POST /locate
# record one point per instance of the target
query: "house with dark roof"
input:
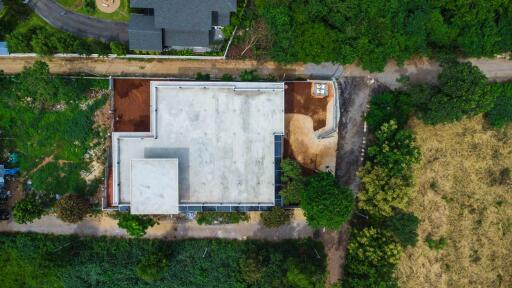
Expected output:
(157, 25)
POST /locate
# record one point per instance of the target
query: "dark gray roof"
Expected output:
(187, 38)
(186, 15)
(143, 35)
(185, 23)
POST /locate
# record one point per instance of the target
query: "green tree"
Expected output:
(276, 217)
(152, 268)
(372, 256)
(28, 209)
(251, 269)
(381, 192)
(394, 150)
(463, 91)
(135, 225)
(72, 208)
(387, 106)
(293, 182)
(403, 226)
(325, 203)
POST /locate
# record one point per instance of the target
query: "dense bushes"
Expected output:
(293, 182)
(50, 119)
(28, 209)
(386, 177)
(14, 12)
(501, 112)
(325, 203)
(135, 225)
(275, 217)
(371, 259)
(372, 32)
(72, 208)
(403, 226)
(209, 218)
(38, 260)
(462, 91)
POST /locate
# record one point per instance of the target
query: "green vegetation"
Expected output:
(118, 48)
(249, 76)
(152, 268)
(325, 203)
(49, 121)
(202, 77)
(372, 32)
(135, 225)
(501, 112)
(371, 259)
(386, 177)
(72, 208)
(403, 226)
(29, 209)
(210, 218)
(387, 106)
(463, 91)
(276, 217)
(437, 245)
(88, 7)
(38, 260)
(13, 13)
(293, 182)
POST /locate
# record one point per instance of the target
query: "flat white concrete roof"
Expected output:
(154, 186)
(222, 134)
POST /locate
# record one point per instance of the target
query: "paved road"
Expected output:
(80, 25)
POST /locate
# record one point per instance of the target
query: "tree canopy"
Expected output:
(325, 203)
(372, 32)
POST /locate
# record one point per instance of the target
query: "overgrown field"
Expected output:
(49, 121)
(38, 260)
(463, 197)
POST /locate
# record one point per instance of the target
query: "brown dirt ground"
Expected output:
(299, 100)
(131, 101)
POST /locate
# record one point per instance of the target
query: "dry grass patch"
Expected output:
(463, 194)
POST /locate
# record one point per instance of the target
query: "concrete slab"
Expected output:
(222, 134)
(154, 186)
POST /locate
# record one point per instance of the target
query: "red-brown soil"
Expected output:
(299, 100)
(131, 105)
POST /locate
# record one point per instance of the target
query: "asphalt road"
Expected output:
(80, 25)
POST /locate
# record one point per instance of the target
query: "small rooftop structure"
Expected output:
(154, 186)
(219, 142)
(3, 48)
(177, 24)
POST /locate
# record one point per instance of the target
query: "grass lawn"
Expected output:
(122, 14)
(463, 195)
(38, 260)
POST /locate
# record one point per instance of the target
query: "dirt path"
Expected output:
(106, 226)
(419, 70)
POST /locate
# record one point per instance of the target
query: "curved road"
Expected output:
(80, 25)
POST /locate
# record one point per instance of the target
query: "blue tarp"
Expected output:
(3, 48)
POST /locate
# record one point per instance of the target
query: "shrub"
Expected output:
(501, 112)
(227, 77)
(299, 275)
(251, 269)
(249, 76)
(152, 268)
(28, 209)
(463, 91)
(89, 6)
(135, 225)
(276, 217)
(293, 182)
(437, 245)
(209, 218)
(372, 256)
(72, 208)
(325, 203)
(118, 48)
(403, 226)
(202, 77)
